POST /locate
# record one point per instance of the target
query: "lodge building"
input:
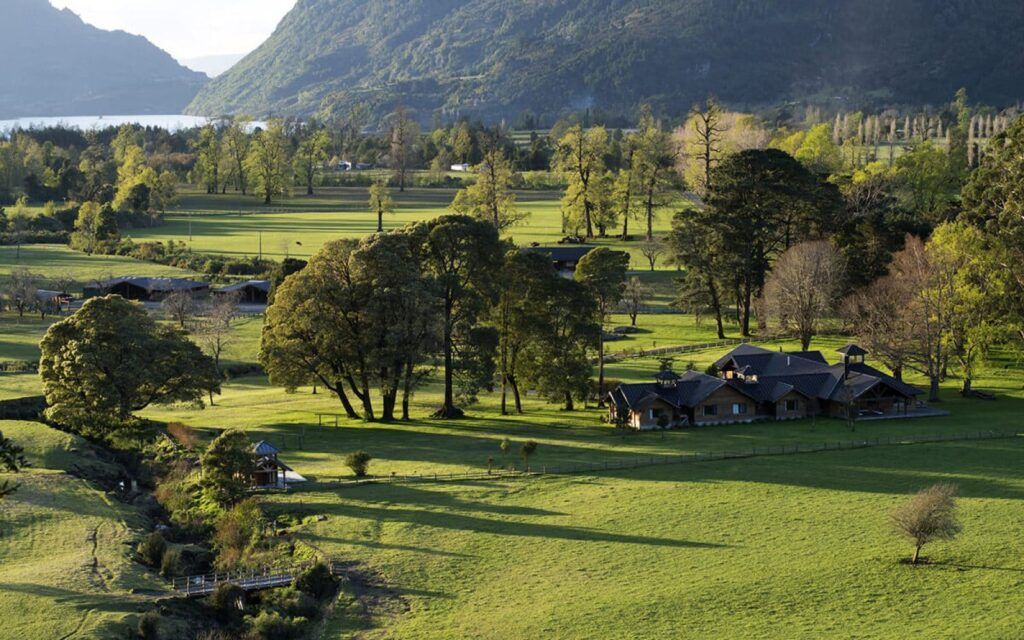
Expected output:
(757, 384)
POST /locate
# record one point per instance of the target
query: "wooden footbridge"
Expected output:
(251, 580)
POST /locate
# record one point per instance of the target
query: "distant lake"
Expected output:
(86, 123)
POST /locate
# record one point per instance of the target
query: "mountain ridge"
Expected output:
(91, 72)
(499, 58)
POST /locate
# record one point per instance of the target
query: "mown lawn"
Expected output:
(65, 570)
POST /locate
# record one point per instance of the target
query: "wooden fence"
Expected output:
(666, 351)
(652, 461)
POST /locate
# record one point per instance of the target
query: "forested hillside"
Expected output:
(53, 64)
(502, 58)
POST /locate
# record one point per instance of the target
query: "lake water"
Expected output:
(86, 123)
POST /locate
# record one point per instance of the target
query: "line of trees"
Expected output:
(371, 319)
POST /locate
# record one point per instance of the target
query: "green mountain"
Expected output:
(499, 58)
(53, 64)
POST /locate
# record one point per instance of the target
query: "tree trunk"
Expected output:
(933, 391)
(388, 405)
(448, 409)
(745, 311)
(504, 394)
(966, 390)
(600, 365)
(516, 397)
(917, 554)
(569, 406)
(407, 389)
(349, 409)
(380, 220)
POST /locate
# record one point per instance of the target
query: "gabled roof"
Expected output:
(262, 285)
(264, 448)
(852, 350)
(807, 373)
(691, 389)
(155, 284)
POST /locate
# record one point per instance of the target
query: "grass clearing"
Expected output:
(786, 547)
(64, 545)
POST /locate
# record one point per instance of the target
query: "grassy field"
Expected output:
(65, 569)
(50, 262)
(794, 546)
(788, 547)
(238, 225)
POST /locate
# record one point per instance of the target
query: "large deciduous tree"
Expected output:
(580, 158)
(557, 361)
(993, 200)
(518, 316)
(693, 246)
(760, 203)
(491, 197)
(311, 156)
(267, 163)
(603, 273)
(404, 135)
(110, 359)
(462, 257)
(355, 320)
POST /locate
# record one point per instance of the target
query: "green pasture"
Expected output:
(786, 547)
(237, 225)
(52, 262)
(65, 546)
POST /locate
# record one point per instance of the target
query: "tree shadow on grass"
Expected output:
(410, 495)
(512, 528)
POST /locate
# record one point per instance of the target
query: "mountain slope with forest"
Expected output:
(53, 64)
(500, 58)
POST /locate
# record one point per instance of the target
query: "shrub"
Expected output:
(316, 581)
(289, 602)
(227, 599)
(151, 549)
(170, 563)
(185, 435)
(274, 626)
(235, 531)
(359, 463)
(149, 625)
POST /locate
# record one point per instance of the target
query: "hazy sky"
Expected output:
(187, 28)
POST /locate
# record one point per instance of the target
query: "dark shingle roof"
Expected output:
(156, 284)
(571, 253)
(691, 389)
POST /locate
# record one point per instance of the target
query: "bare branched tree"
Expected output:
(652, 250)
(803, 287)
(21, 289)
(180, 306)
(634, 296)
(928, 516)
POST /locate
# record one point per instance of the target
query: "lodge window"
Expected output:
(710, 410)
(653, 414)
(739, 408)
(792, 405)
